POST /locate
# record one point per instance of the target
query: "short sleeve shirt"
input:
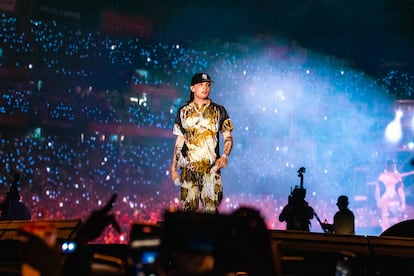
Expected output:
(201, 127)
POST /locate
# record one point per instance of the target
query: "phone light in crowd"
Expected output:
(122, 238)
(68, 247)
(393, 131)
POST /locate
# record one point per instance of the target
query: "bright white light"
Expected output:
(280, 95)
(393, 131)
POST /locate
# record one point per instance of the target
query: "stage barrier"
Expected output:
(66, 229)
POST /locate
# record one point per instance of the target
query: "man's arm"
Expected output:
(283, 216)
(221, 162)
(228, 142)
(179, 143)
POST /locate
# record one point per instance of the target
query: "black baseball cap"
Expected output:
(200, 77)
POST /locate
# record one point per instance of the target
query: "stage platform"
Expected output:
(234, 244)
(301, 253)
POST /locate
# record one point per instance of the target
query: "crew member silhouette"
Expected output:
(343, 220)
(297, 213)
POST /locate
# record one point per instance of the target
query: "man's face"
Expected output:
(201, 90)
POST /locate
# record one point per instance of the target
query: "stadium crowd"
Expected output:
(56, 79)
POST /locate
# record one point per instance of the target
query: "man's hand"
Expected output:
(174, 174)
(327, 228)
(221, 162)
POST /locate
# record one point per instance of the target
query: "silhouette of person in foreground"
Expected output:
(45, 256)
(12, 208)
(203, 244)
(343, 220)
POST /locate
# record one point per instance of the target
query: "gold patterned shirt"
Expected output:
(201, 127)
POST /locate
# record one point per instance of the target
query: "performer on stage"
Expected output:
(390, 195)
(198, 125)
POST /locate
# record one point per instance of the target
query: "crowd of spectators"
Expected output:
(57, 79)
